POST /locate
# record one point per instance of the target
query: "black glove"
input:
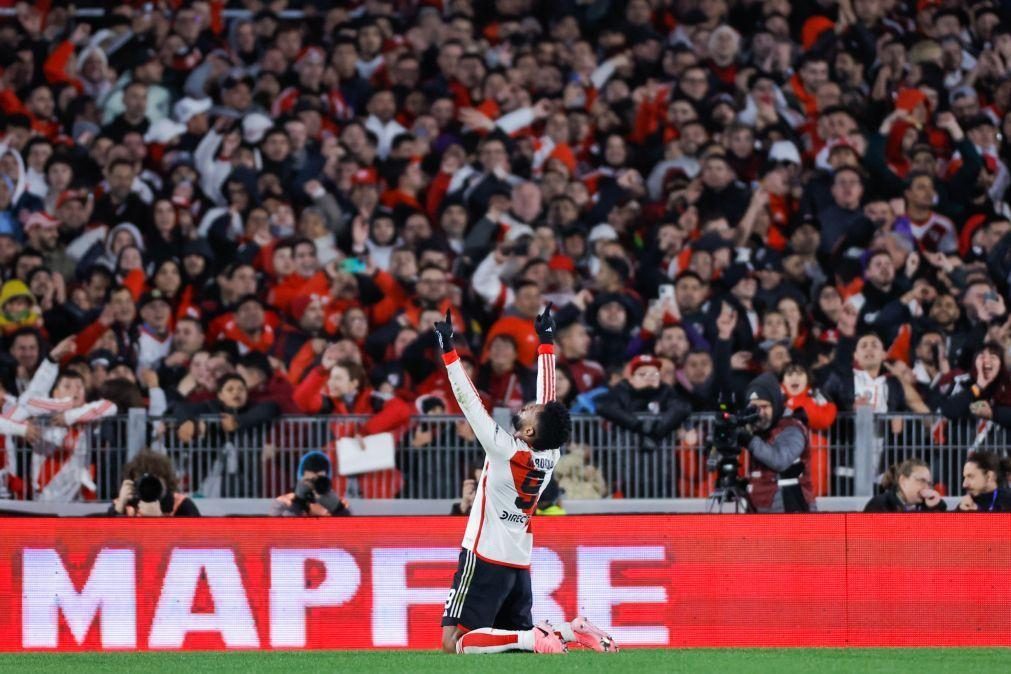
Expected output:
(444, 331)
(303, 497)
(744, 436)
(545, 326)
(303, 491)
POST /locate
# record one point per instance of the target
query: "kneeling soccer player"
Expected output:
(489, 606)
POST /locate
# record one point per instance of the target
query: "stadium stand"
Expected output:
(241, 221)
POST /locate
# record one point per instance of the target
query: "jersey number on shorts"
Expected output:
(449, 600)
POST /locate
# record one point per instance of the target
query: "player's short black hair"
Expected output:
(553, 427)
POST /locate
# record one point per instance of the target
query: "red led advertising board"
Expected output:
(652, 581)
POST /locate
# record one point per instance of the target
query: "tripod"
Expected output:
(730, 487)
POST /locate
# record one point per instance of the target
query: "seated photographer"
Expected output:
(984, 478)
(314, 494)
(149, 489)
(908, 487)
(780, 452)
(642, 393)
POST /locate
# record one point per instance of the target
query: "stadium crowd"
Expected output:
(251, 216)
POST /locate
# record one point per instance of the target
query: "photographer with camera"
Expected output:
(314, 494)
(150, 489)
(780, 450)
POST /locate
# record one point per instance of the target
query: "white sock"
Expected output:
(489, 640)
(565, 632)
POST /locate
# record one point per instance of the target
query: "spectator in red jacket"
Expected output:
(431, 294)
(341, 388)
(821, 414)
(396, 285)
(506, 382)
(518, 322)
(307, 279)
(264, 384)
(308, 315)
(573, 342)
(248, 326)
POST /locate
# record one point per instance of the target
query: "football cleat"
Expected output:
(546, 641)
(589, 635)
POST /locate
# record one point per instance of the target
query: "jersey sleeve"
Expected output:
(12, 427)
(545, 373)
(493, 438)
(42, 381)
(98, 409)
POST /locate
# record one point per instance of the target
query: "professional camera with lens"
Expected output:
(307, 490)
(725, 452)
(149, 489)
(318, 490)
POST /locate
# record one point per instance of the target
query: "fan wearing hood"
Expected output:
(18, 308)
(780, 451)
(103, 245)
(224, 226)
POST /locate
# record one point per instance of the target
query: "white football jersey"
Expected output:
(514, 475)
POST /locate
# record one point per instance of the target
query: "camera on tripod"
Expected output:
(724, 457)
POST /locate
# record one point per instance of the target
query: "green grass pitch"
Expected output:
(725, 661)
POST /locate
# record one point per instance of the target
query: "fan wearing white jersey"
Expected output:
(489, 605)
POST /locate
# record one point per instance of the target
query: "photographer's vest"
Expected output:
(765, 482)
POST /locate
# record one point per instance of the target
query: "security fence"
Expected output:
(434, 455)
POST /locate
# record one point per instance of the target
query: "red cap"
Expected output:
(645, 360)
(300, 304)
(311, 55)
(561, 263)
(70, 195)
(813, 28)
(971, 226)
(365, 176)
(41, 219)
(564, 154)
(908, 99)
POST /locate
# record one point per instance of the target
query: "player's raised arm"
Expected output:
(492, 437)
(545, 326)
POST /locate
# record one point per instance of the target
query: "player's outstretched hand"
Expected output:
(545, 326)
(444, 331)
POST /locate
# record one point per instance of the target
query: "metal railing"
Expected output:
(435, 454)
